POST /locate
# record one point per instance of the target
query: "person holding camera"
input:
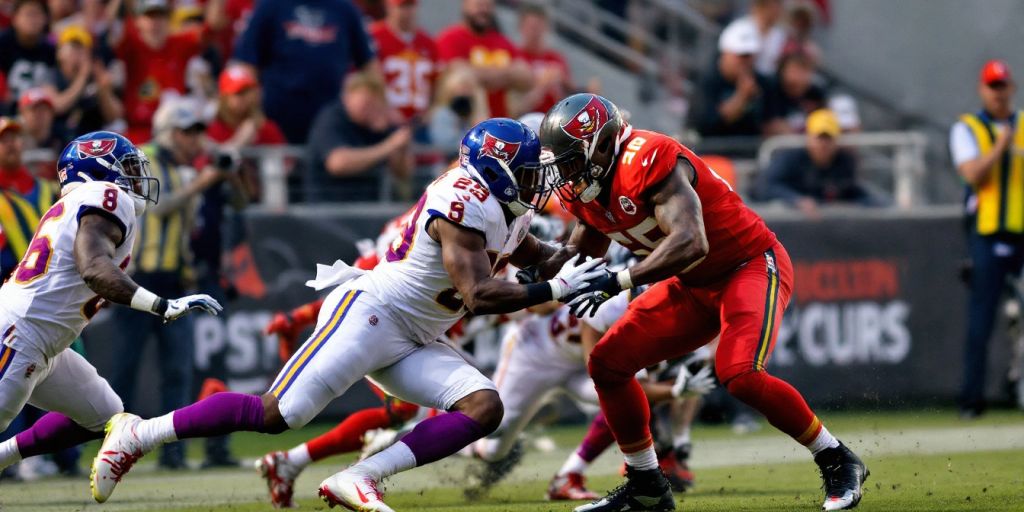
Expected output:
(163, 261)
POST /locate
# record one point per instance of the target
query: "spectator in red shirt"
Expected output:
(408, 59)
(551, 79)
(478, 43)
(240, 121)
(154, 62)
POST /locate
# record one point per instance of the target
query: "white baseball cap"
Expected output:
(740, 37)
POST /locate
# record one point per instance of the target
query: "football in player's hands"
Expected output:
(177, 308)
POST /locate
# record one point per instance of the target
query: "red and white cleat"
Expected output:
(572, 487)
(120, 450)
(354, 492)
(280, 475)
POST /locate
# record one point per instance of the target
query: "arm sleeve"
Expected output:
(962, 145)
(609, 312)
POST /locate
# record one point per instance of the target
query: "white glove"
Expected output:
(574, 278)
(177, 308)
(697, 384)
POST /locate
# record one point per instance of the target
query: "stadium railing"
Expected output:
(883, 156)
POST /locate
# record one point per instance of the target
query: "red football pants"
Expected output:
(670, 320)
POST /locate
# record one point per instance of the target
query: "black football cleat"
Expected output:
(842, 474)
(646, 490)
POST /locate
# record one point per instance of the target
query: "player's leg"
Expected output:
(435, 375)
(19, 374)
(664, 322)
(335, 357)
(281, 468)
(523, 384)
(80, 403)
(752, 305)
(569, 482)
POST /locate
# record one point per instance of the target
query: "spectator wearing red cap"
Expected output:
(155, 61)
(35, 110)
(240, 121)
(26, 57)
(551, 78)
(988, 151)
(408, 58)
(478, 43)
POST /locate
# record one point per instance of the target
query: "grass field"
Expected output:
(919, 461)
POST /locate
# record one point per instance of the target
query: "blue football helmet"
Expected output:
(505, 155)
(107, 156)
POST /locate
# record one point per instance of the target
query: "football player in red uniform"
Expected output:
(716, 269)
(408, 59)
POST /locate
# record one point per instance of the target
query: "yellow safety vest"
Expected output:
(1001, 196)
(19, 217)
(161, 244)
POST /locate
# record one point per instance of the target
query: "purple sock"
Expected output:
(598, 439)
(438, 437)
(52, 433)
(219, 414)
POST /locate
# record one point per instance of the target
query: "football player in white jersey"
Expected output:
(384, 323)
(74, 264)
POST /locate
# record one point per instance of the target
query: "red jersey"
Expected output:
(539, 61)
(735, 233)
(410, 67)
(149, 72)
(490, 49)
(268, 133)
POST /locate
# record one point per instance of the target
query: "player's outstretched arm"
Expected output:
(549, 259)
(678, 212)
(465, 258)
(95, 245)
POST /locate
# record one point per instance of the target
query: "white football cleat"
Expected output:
(354, 492)
(280, 475)
(120, 450)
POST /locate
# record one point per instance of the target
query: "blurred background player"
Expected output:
(718, 270)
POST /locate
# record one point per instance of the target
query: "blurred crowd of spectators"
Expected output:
(358, 84)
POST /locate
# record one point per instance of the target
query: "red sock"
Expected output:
(598, 439)
(779, 402)
(623, 403)
(347, 436)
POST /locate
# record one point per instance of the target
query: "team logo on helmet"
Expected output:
(587, 121)
(499, 149)
(96, 148)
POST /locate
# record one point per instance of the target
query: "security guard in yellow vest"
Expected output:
(988, 151)
(23, 198)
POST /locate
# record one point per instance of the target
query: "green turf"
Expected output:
(979, 481)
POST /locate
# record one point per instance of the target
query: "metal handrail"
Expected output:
(908, 159)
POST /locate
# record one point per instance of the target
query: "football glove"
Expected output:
(696, 384)
(574, 277)
(177, 308)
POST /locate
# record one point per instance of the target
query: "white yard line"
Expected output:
(148, 490)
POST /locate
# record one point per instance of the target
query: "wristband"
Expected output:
(539, 293)
(624, 279)
(557, 288)
(145, 300)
